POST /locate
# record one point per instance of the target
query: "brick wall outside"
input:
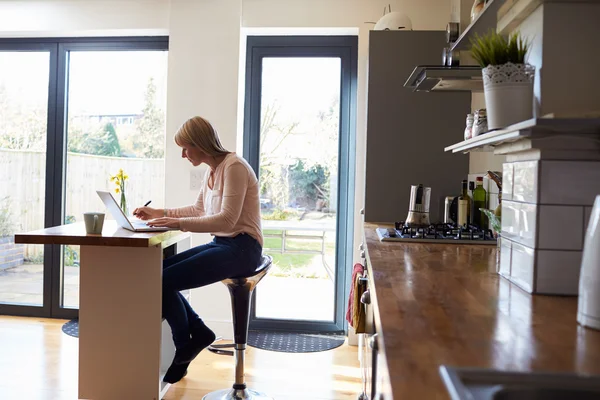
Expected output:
(11, 254)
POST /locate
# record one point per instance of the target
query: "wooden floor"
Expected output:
(39, 362)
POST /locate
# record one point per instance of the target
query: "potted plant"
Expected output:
(507, 78)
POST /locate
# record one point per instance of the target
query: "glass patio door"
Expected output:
(116, 104)
(298, 140)
(25, 90)
(72, 112)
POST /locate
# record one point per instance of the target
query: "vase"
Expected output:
(588, 309)
(508, 92)
(123, 203)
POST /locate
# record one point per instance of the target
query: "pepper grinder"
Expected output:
(588, 310)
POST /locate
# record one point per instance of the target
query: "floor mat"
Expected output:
(294, 342)
(71, 328)
(273, 341)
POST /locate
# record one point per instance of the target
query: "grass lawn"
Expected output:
(297, 265)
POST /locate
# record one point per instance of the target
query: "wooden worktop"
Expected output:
(112, 235)
(439, 304)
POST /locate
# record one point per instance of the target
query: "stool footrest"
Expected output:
(219, 351)
(222, 346)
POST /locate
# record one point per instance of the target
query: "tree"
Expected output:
(101, 141)
(308, 183)
(151, 127)
(22, 126)
(274, 180)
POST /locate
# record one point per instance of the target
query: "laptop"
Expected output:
(124, 222)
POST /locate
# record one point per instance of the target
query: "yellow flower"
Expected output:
(112, 178)
(125, 177)
(117, 190)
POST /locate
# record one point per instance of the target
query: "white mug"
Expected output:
(94, 221)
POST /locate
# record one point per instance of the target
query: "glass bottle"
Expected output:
(464, 206)
(479, 201)
(471, 189)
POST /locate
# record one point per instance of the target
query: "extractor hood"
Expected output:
(429, 78)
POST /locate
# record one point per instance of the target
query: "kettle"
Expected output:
(418, 209)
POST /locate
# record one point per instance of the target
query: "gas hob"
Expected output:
(436, 233)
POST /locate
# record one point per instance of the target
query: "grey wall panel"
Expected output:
(407, 131)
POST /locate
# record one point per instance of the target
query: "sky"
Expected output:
(301, 86)
(114, 82)
(101, 82)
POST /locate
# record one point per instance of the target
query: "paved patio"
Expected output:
(277, 297)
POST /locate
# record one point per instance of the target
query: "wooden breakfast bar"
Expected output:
(124, 346)
(444, 304)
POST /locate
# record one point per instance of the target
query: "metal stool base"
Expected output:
(233, 394)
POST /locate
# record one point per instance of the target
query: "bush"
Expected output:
(278, 215)
(7, 225)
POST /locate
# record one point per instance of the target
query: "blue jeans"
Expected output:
(224, 257)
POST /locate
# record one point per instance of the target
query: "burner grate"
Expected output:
(441, 231)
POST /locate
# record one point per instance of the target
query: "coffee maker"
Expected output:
(418, 210)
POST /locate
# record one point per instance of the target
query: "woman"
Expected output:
(228, 207)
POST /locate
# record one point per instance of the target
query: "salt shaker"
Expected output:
(469, 127)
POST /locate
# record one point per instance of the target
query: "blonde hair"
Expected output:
(198, 132)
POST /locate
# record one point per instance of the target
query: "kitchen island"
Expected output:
(124, 346)
(442, 304)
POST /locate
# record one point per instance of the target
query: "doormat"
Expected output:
(294, 342)
(71, 328)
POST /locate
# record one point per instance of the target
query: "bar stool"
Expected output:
(240, 290)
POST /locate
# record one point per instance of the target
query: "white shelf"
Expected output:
(527, 129)
(485, 21)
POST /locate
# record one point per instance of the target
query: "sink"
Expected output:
(488, 384)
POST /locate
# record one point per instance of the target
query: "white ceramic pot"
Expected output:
(508, 91)
(588, 311)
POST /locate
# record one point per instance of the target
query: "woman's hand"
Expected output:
(145, 213)
(165, 221)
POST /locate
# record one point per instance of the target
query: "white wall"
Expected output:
(204, 61)
(52, 18)
(204, 42)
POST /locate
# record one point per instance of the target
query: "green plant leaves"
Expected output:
(495, 49)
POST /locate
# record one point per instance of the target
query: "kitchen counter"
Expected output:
(440, 304)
